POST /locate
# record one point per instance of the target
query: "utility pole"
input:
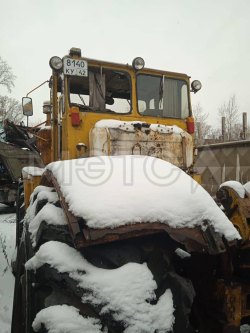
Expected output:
(244, 124)
(223, 128)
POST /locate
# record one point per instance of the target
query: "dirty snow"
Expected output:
(236, 186)
(129, 126)
(66, 319)
(7, 245)
(110, 191)
(132, 283)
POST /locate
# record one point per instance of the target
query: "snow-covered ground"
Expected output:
(7, 245)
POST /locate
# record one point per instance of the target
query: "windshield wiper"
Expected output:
(161, 92)
(82, 100)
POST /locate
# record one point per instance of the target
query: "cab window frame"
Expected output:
(159, 115)
(88, 108)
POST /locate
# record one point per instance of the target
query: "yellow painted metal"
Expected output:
(233, 304)
(54, 117)
(30, 183)
(43, 143)
(72, 135)
(229, 296)
(238, 216)
(196, 177)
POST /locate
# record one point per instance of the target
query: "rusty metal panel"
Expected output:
(48, 179)
(218, 163)
(172, 147)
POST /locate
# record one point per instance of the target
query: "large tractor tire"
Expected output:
(20, 211)
(46, 288)
(58, 289)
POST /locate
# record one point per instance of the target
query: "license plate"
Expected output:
(75, 67)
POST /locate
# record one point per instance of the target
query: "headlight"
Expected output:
(138, 63)
(196, 86)
(46, 107)
(55, 63)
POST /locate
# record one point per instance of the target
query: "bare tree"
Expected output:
(202, 129)
(10, 109)
(7, 77)
(230, 111)
(215, 135)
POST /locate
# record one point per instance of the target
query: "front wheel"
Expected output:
(127, 286)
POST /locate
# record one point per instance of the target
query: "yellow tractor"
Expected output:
(115, 234)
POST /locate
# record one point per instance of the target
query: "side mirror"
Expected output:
(27, 106)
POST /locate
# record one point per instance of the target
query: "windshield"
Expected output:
(103, 90)
(159, 96)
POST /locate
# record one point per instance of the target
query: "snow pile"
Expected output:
(40, 193)
(31, 171)
(66, 319)
(7, 245)
(236, 186)
(49, 212)
(130, 126)
(111, 191)
(132, 283)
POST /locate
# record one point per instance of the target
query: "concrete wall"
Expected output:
(220, 162)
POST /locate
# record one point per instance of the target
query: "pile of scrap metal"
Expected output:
(17, 150)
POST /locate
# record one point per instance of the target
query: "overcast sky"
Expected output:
(208, 40)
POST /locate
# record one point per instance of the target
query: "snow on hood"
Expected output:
(111, 191)
(132, 283)
(130, 126)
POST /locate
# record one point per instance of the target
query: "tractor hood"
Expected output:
(169, 143)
